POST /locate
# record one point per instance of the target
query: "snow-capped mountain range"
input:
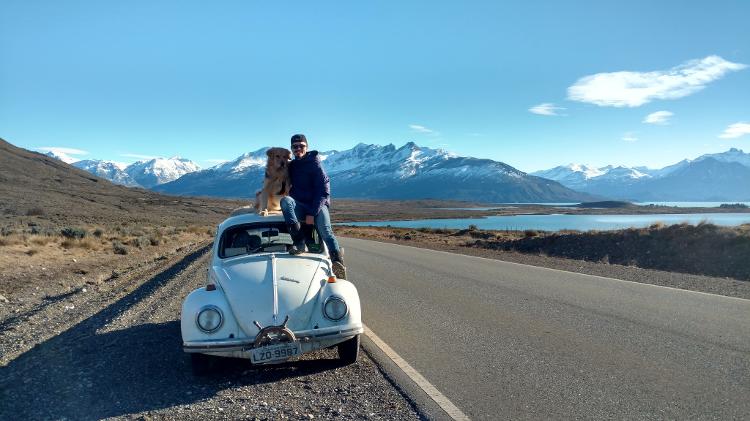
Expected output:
(414, 172)
(146, 173)
(387, 172)
(160, 170)
(719, 176)
(107, 169)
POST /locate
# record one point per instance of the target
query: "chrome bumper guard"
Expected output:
(245, 344)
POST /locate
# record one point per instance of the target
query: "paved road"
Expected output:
(508, 341)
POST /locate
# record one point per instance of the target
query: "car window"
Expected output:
(263, 238)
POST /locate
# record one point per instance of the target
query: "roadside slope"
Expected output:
(120, 355)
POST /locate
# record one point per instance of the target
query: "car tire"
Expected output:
(349, 350)
(201, 364)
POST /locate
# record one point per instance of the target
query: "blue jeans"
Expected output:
(295, 213)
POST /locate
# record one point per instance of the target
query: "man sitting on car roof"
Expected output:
(308, 201)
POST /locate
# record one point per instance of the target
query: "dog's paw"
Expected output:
(264, 212)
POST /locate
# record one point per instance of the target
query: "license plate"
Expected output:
(273, 353)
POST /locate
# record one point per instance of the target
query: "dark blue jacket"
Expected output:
(311, 187)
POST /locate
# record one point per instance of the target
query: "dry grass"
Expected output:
(123, 237)
(195, 229)
(13, 239)
(83, 243)
(705, 248)
(41, 240)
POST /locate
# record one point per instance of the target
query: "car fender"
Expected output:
(348, 292)
(197, 300)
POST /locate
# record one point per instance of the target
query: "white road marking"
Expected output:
(431, 391)
(558, 270)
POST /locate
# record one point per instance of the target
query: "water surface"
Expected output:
(556, 222)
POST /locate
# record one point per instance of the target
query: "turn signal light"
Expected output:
(210, 287)
(331, 279)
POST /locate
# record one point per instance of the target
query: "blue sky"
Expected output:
(532, 84)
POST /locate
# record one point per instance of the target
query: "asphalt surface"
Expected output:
(509, 341)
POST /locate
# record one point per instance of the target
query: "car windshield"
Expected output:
(263, 238)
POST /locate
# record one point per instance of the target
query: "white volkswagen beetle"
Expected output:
(266, 305)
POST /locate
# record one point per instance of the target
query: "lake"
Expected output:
(568, 204)
(556, 222)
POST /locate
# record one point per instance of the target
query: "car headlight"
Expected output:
(335, 308)
(209, 319)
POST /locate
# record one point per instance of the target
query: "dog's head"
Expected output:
(278, 158)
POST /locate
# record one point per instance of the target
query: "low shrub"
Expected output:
(155, 240)
(32, 252)
(481, 234)
(37, 230)
(72, 232)
(139, 242)
(98, 233)
(119, 248)
(530, 233)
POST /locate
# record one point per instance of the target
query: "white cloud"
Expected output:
(63, 150)
(659, 117)
(421, 129)
(138, 156)
(629, 137)
(546, 108)
(735, 130)
(63, 153)
(633, 89)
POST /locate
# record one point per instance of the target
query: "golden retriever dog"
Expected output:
(275, 183)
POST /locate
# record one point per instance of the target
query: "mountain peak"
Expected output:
(160, 170)
(390, 172)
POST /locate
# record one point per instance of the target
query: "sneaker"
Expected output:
(339, 270)
(298, 237)
(337, 260)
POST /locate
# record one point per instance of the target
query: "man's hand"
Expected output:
(310, 220)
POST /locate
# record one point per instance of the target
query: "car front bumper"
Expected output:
(309, 340)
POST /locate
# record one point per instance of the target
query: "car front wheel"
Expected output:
(349, 350)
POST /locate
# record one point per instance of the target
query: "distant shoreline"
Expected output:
(350, 210)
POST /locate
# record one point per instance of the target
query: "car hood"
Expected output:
(259, 287)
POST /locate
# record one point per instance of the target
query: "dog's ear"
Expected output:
(269, 152)
(287, 154)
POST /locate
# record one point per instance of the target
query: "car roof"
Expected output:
(248, 216)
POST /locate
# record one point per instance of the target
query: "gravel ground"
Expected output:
(86, 355)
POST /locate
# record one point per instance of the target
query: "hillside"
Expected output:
(35, 185)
